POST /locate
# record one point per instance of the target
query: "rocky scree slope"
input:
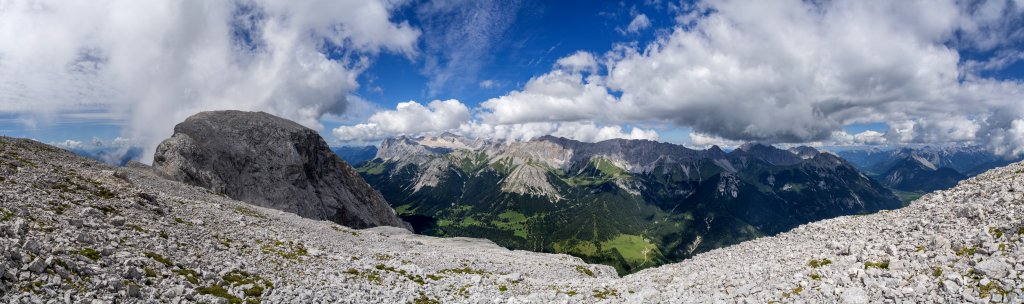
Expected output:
(75, 230)
(965, 244)
(271, 162)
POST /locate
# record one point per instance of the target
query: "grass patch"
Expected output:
(368, 275)
(464, 270)
(794, 292)
(104, 193)
(411, 277)
(190, 275)
(159, 258)
(605, 293)
(906, 197)
(995, 232)
(250, 212)
(634, 249)
(220, 292)
(815, 263)
(966, 251)
(239, 278)
(512, 221)
(880, 265)
(290, 250)
(585, 270)
(90, 253)
(991, 288)
(424, 299)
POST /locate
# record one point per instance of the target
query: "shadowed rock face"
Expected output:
(271, 162)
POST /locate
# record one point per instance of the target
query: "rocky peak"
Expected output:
(804, 152)
(767, 153)
(271, 162)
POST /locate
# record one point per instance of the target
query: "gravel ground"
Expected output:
(74, 230)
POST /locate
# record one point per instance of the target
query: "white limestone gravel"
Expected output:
(77, 231)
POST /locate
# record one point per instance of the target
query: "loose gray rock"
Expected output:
(993, 268)
(855, 296)
(271, 162)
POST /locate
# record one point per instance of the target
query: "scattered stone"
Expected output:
(117, 221)
(941, 248)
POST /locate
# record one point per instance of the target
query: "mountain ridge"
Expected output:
(647, 202)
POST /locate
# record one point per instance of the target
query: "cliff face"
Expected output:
(271, 162)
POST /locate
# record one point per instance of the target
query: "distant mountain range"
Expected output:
(632, 204)
(924, 169)
(355, 155)
(118, 156)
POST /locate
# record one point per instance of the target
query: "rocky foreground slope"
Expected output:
(74, 230)
(272, 162)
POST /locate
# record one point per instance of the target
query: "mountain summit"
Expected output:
(632, 204)
(271, 162)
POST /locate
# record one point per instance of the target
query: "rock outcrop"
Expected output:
(271, 162)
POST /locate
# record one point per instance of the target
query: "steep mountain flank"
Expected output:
(628, 203)
(915, 173)
(271, 162)
(355, 155)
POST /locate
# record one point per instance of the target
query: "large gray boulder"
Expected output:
(271, 162)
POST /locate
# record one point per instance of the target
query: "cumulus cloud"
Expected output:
(865, 138)
(582, 131)
(640, 22)
(412, 118)
(561, 95)
(795, 72)
(153, 64)
(407, 118)
(580, 61)
(704, 141)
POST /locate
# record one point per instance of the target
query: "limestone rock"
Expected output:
(271, 162)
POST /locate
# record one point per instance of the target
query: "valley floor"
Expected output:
(76, 230)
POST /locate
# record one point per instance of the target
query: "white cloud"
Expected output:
(582, 131)
(704, 141)
(792, 72)
(1008, 141)
(412, 118)
(487, 84)
(865, 138)
(407, 118)
(556, 96)
(640, 22)
(153, 64)
(580, 61)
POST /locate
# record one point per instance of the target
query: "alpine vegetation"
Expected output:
(632, 204)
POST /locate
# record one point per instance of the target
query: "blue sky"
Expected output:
(831, 73)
